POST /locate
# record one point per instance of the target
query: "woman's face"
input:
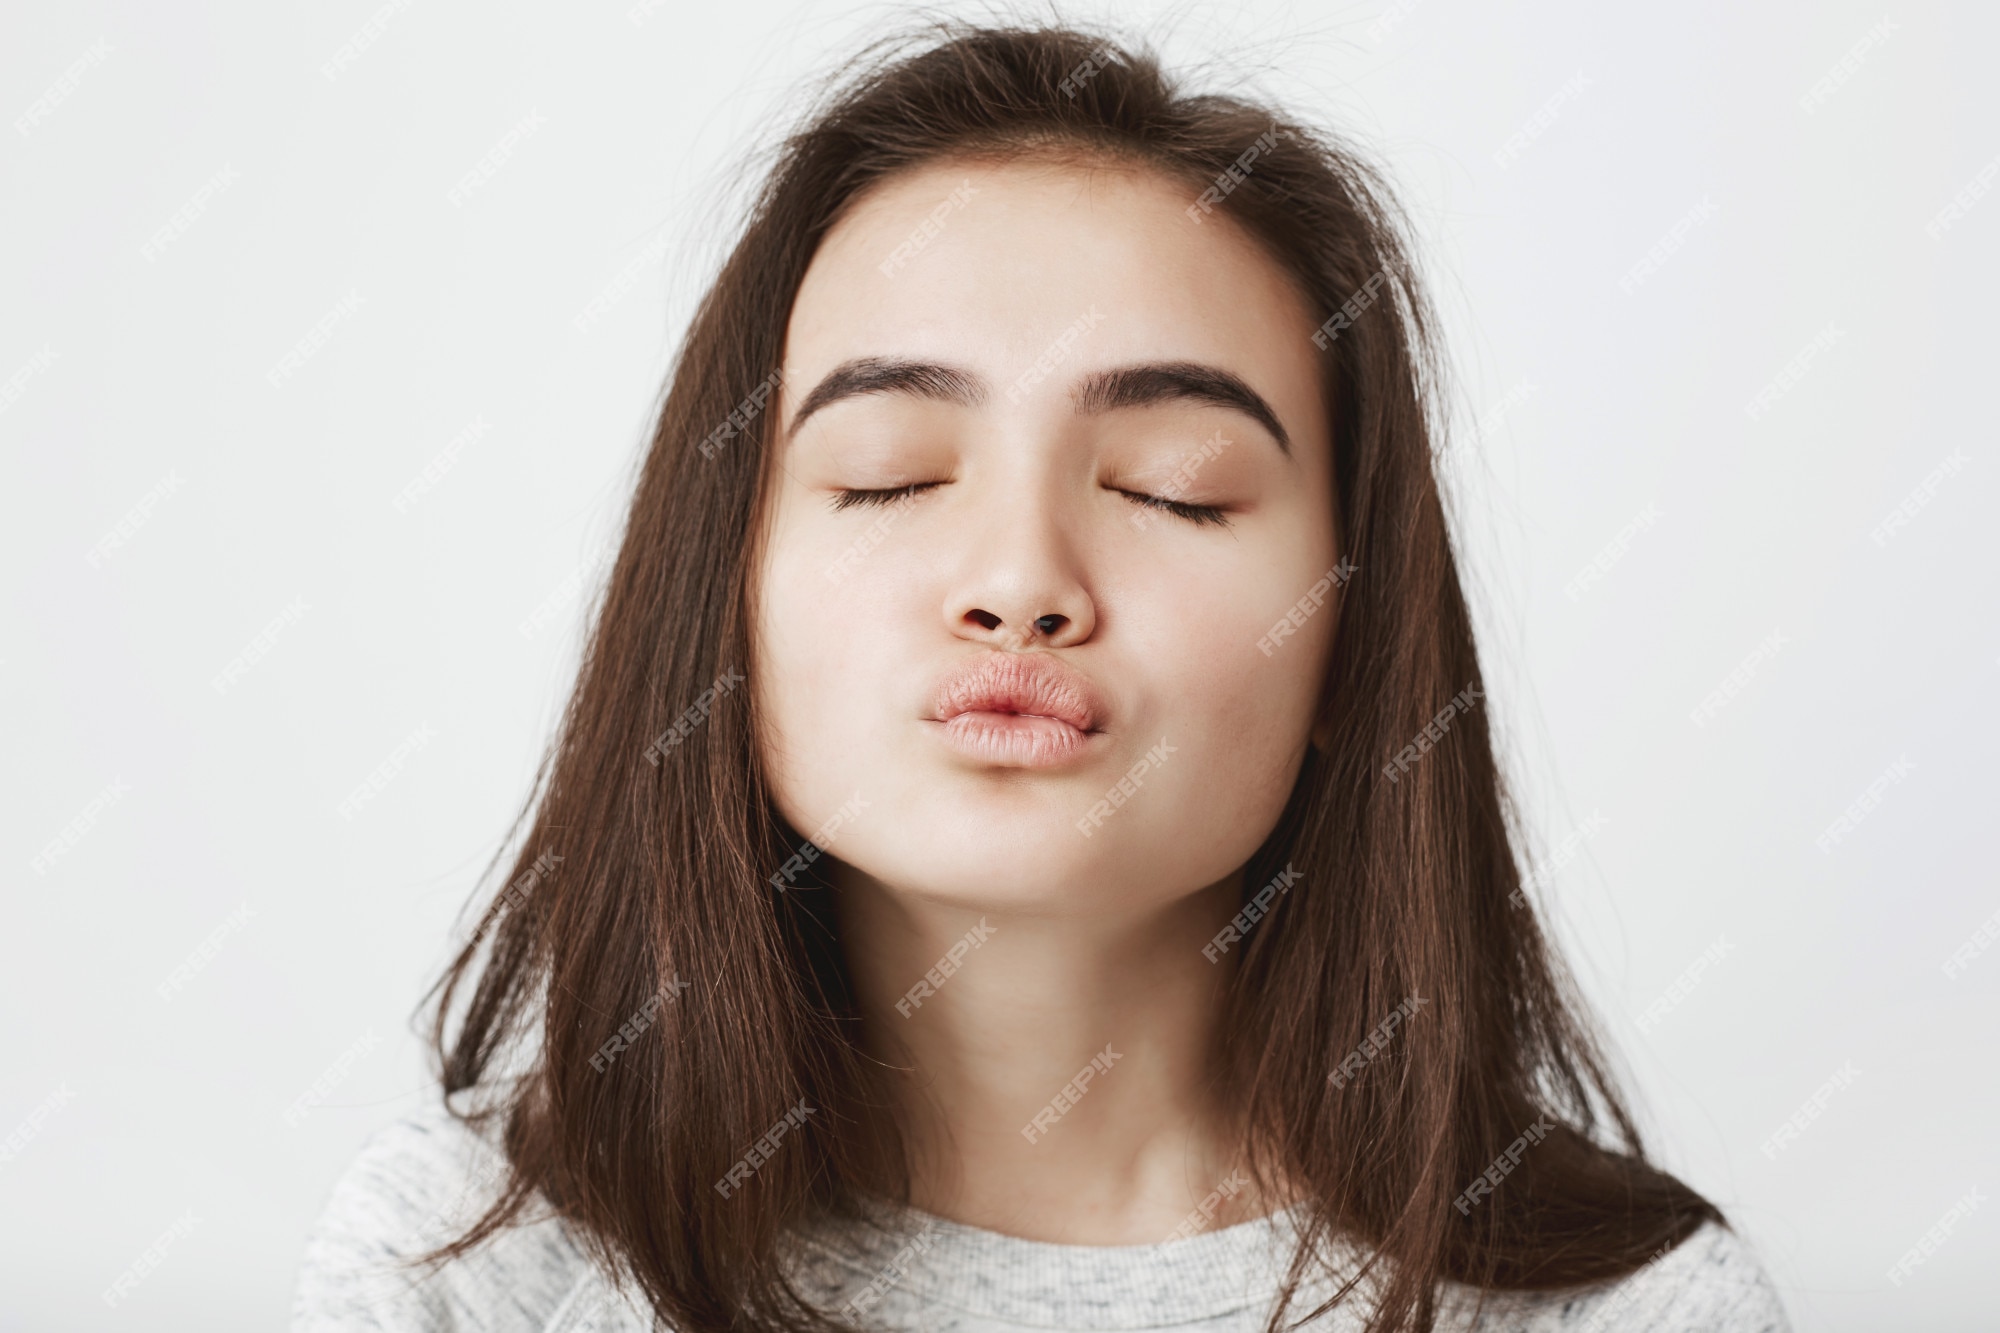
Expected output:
(953, 682)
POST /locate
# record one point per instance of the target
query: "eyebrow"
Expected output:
(1102, 391)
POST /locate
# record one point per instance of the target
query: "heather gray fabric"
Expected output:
(427, 1172)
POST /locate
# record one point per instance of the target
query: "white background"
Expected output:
(142, 369)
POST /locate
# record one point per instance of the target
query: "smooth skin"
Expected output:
(1023, 507)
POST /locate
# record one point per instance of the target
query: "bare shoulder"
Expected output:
(416, 1183)
(1712, 1282)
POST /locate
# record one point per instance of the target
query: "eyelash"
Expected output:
(848, 499)
(1200, 515)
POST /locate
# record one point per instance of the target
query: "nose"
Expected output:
(985, 625)
(1020, 585)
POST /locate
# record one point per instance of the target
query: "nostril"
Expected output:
(984, 619)
(1050, 624)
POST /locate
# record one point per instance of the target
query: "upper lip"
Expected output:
(1032, 684)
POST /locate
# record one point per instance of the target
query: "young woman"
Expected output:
(1025, 849)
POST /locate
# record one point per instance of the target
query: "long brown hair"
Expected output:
(644, 1000)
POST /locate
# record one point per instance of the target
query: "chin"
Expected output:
(1036, 863)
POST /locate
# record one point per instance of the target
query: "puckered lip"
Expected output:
(1029, 684)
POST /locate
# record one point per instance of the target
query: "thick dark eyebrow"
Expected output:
(1164, 381)
(875, 374)
(1104, 391)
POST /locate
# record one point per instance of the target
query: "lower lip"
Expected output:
(1014, 740)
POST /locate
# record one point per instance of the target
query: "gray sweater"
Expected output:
(427, 1173)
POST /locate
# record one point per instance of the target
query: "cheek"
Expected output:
(1246, 714)
(831, 629)
(1200, 632)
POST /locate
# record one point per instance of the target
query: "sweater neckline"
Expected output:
(1054, 1285)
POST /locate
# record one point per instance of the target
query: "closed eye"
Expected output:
(847, 499)
(1197, 514)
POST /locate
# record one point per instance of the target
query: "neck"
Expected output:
(1052, 1068)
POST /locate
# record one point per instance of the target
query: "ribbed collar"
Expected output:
(1039, 1283)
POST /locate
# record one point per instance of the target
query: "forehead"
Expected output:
(987, 263)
